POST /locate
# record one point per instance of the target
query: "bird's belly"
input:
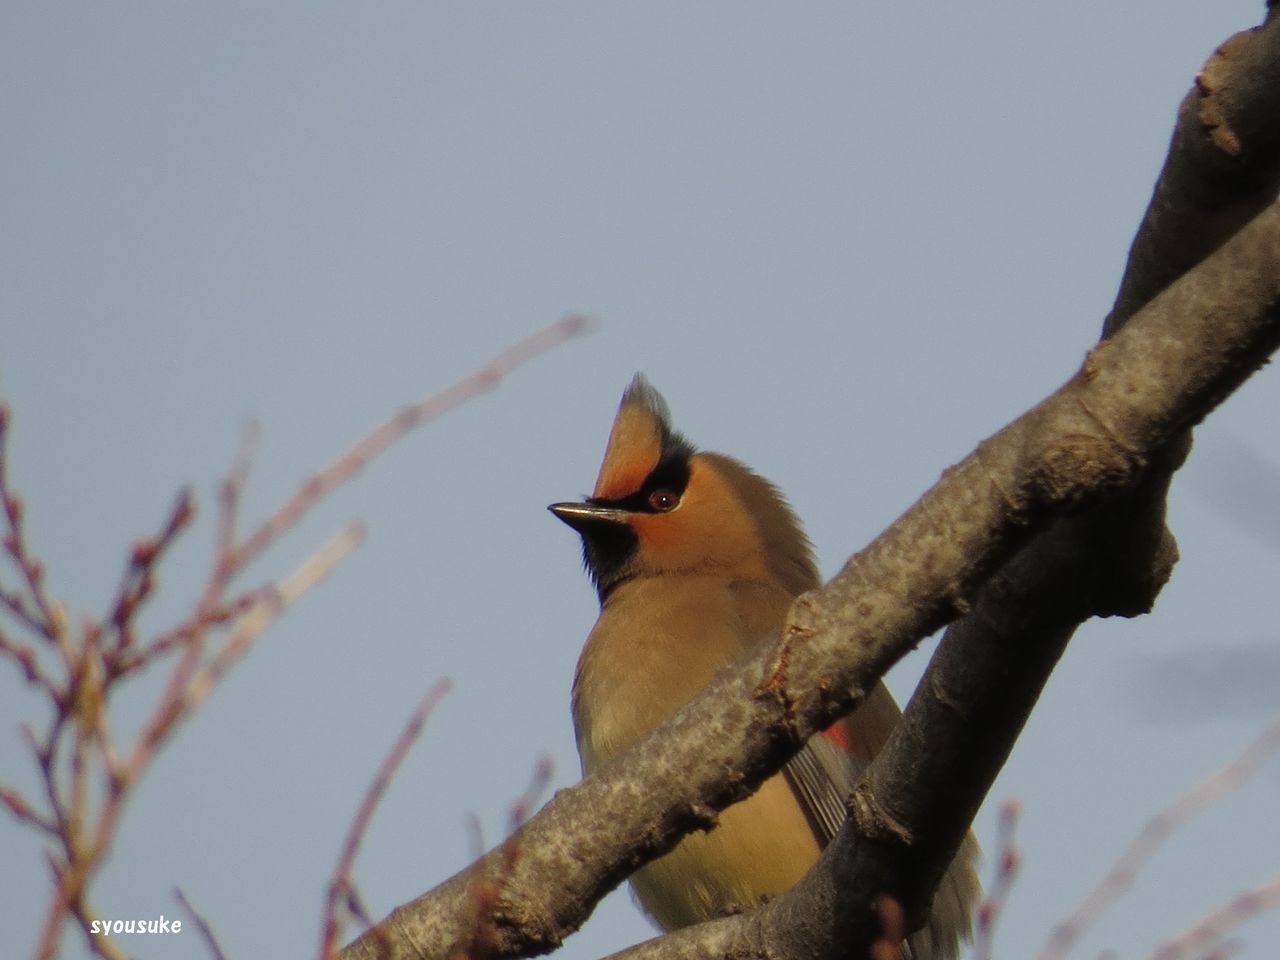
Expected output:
(760, 848)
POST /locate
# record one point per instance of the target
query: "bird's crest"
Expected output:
(640, 437)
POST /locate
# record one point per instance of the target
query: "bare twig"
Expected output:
(342, 888)
(271, 602)
(1130, 863)
(86, 781)
(481, 940)
(425, 410)
(206, 931)
(538, 783)
(38, 615)
(1008, 860)
(139, 580)
(1214, 927)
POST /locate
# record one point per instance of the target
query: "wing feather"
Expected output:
(822, 777)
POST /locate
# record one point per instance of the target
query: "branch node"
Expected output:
(1076, 467)
(704, 816)
(873, 820)
(1209, 109)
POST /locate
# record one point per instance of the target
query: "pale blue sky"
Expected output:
(846, 241)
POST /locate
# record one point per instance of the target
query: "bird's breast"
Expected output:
(659, 640)
(656, 645)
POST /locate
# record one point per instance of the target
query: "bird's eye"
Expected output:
(663, 500)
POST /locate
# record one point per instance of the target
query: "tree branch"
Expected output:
(1057, 518)
(1089, 466)
(87, 781)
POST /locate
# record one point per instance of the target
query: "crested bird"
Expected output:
(696, 558)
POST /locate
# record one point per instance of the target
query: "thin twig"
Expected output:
(206, 931)
(358, 456)
(43, 621)
(1008, 860)
(1214, 927)
(272, 602)
(76, 753)
(21, 809)
(487, 890)
(342, 886)
(523, 805)
(1130, 863)
(138, 579)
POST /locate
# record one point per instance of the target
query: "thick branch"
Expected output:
(989, 669)
(1094, 436)
(1222, 169)
(1099, 450)
(991, 666)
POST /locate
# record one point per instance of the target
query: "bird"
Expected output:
(696, 558)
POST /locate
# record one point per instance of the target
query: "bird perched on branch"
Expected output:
(695, 559)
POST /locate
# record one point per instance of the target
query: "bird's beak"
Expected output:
(579, 515)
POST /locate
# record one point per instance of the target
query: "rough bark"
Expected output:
(1057, 518)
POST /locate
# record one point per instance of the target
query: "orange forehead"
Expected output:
(635, 446)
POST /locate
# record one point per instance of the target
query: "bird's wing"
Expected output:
(823, 773)
(822, 776)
